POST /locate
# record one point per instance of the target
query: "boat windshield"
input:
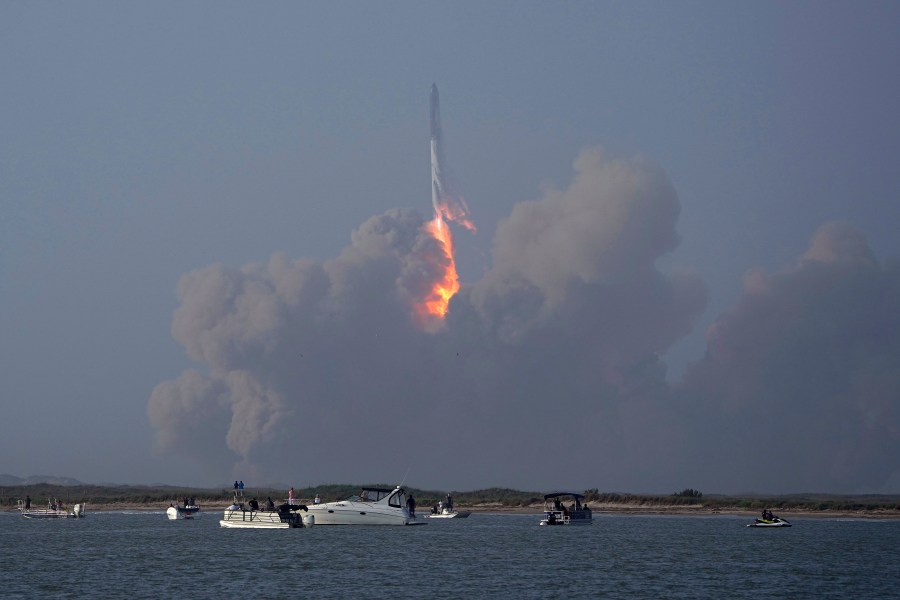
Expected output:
(369, 495)
(398, 499)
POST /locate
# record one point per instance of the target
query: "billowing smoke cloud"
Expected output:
(800, 388)
(546, 373)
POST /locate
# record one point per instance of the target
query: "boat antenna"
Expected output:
(404, 478)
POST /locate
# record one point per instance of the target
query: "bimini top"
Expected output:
(575, 495)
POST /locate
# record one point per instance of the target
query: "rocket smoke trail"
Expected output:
(432, 307)
(445, 205)
(437, 152)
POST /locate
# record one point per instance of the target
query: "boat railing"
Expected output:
(557, 515)
(52, 504)
(249, 515)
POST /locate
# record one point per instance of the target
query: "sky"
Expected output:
(684, 271)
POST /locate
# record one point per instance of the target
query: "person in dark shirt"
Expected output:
(411, 505)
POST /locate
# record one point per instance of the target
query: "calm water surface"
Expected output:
(144, 555)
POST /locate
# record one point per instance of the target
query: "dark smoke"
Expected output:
(800, 388)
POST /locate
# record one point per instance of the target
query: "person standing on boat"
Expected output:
(241, 487)
(291, 497)
(317, 499)
(411, 505)
(449, 502)
(27, 502)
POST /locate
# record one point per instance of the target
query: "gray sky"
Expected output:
(685, 271)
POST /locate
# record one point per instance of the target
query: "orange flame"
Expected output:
(455, 212)
(433, 307)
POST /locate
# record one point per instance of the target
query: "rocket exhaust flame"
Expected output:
(447, 208)
(433, 307)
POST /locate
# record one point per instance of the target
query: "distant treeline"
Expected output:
(500, 497)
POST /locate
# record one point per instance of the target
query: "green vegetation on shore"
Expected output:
(498, 497)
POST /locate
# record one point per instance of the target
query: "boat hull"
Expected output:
(360, 513)
(46, 514)
(231, 524)
(450, 515)
(573, 518)
(182, 512)
(263, 519)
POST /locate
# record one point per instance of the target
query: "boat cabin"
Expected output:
(395, 497)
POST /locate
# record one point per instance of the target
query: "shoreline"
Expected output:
(537, 510)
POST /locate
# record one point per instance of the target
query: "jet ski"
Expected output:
(770, 522)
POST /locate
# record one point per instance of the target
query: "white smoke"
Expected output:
(447, 203)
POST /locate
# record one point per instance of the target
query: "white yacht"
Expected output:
(372, 506)
(285, 516)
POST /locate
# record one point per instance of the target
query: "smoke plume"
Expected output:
(546, 371)
(544, 358)
(799, 389)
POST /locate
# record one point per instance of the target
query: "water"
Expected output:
(144, 555)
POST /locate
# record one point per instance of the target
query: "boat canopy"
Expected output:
(552, 495)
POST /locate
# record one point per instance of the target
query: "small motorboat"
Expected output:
(444, 510)
(446, 513)
(187, 511)
(771, 521)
